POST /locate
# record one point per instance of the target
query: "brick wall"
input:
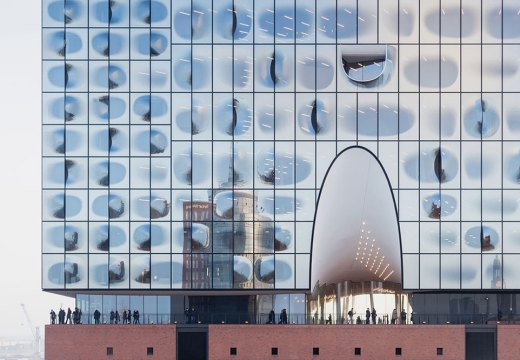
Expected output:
(337, 341)
(508, 343)
(252, 342)
(129, 342)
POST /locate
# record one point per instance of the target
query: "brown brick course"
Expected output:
(129, 342)
(508, 342)
(335, 342)
(90, 342)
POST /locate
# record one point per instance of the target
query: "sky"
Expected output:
(20, 161)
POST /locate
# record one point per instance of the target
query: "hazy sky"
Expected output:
(20, 154)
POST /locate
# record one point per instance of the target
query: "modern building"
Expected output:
(238, 156)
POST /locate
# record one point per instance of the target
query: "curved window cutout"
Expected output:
(284, 204)
(107, 44)
(109, 107)
(192, 23)
(155, 208)
(513, 168)
(282, 238)
(148, 236)
(322, 73)
(64, 273)
(265, 270)
(161, 274)
(284, 173)
(158, 142)
(71, 171)
(439, 165)
(190, 74)
(242, 269)
(65, 11)
(482, 237)
(66, 141)
(507, 16)
(110, 12)
(67, 107)
(68, 172)
(65, 206)
(340, 23)
(111, 206)
(71, 236)
(150, 11)
(65, 43)
(450, 22)
(143, 237)
(437, 206)
(109, 236)
(234, 22)
(343, 235)
(153, 44)
(200, 236)
(107, 140)
(64, 76)
(183, 171)
(109, 173)
(110, 77)
(391, 121)
(145, 275)
(116, 270)
(148, 107)
(284, 18)
(275, 70)
(224, 204)
(313, 118)
(429, 72)
(364, 64)
(234, 118)
(194, 121)
(482, 120)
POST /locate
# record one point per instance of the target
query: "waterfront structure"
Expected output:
(308, 155)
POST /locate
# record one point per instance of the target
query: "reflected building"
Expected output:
(321, 155)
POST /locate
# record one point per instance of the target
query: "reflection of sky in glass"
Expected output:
(262, 98)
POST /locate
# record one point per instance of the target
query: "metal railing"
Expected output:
(302, 319)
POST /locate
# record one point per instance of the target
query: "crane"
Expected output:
(35, 333)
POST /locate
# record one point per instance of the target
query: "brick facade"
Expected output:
(508, 345)
(256, 341)
(129, 342)
(337, 341)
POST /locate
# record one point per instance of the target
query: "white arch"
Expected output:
(356, 230)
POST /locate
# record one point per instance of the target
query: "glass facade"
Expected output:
(185, 142)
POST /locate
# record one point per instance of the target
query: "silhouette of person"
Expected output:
(374, 315)
(124, 317)
(136, 317)
(97, 315)
(271, 317)
(403, 317)
(367, 315)
(61, 316)
(187, 316)
(53, 317)
(283, 317)
(69, 316)
(394, 316)
(117, 317)
(350, 316)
